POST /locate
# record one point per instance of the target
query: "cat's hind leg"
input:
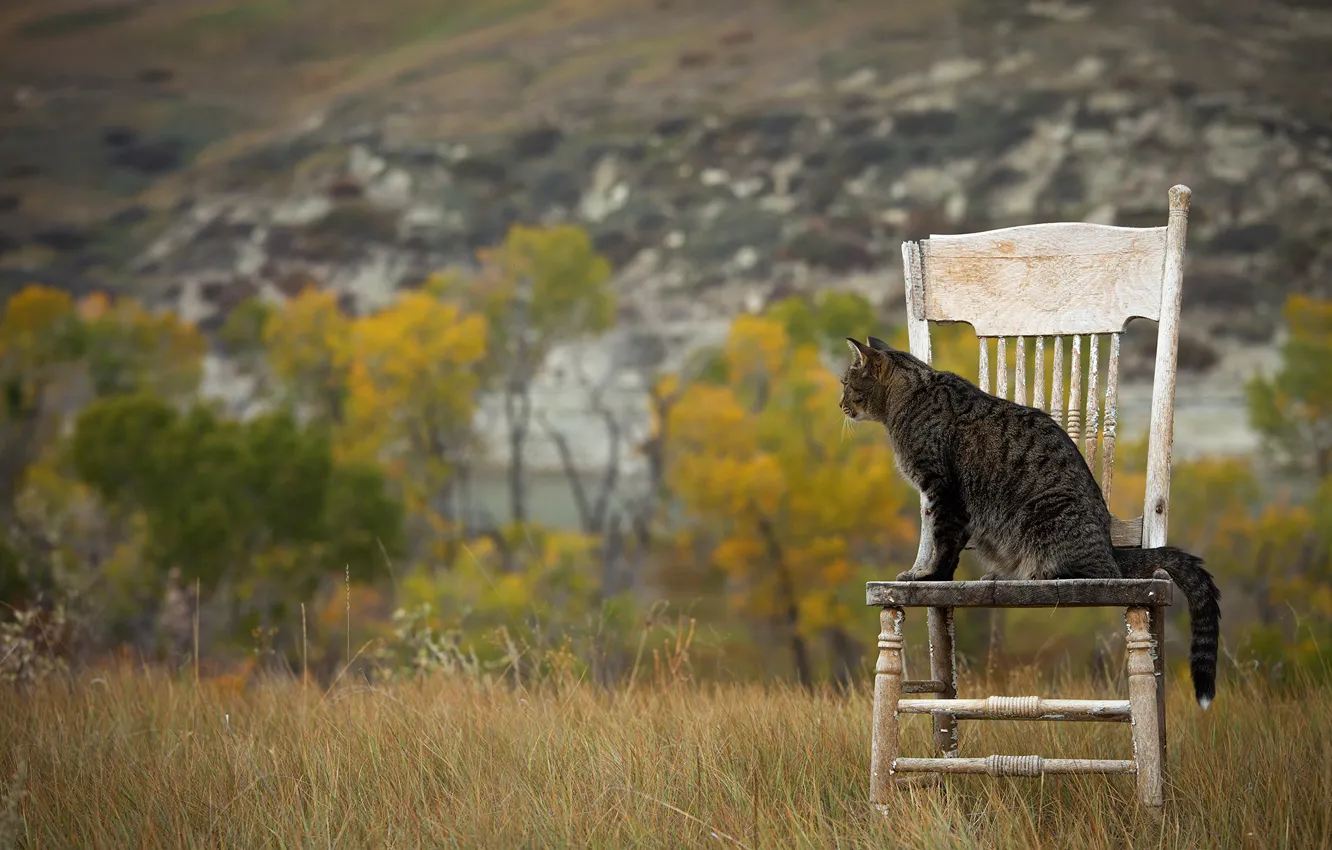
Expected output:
(1067, 544)
(995, 570)
(1097, 565)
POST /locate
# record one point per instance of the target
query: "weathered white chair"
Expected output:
(1034, 283)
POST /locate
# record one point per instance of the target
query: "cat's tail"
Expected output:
(1188, 573)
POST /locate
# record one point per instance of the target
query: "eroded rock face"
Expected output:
(706, 215)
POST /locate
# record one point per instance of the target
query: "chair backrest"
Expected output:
(1044, 283)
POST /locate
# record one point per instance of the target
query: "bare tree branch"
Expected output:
(611, 475)
(593, 512)
(570, 467)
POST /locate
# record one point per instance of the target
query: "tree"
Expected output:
(1269, 552)
(1266, 543)
(1292, 411)
(593, 504)
(225, 501)
(13, 582)
(309, 350)
(413, 382)
(542, 287)
(130, 349)
(40, 337)
(794, 504)
(826, 319)
(242, 339)
(54, 354)
(616, 524)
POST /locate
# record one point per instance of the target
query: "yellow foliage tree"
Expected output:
(795, 503)
(412, 393)
(1270, 551)
(132, 349)
(309, 348)
(39, 336)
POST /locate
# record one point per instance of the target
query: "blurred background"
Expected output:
(502, 336)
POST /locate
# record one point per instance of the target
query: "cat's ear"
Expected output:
(879, 345)
(859, 352)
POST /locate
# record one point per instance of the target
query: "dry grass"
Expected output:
(137, 758)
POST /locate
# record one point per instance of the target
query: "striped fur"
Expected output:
(1008, 479)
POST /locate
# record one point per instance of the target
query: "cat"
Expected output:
(1007, 478)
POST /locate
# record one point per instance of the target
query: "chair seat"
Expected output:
(1061, 593)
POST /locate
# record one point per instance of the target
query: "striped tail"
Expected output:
(1200, 590)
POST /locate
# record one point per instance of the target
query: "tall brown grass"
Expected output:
(133, 757)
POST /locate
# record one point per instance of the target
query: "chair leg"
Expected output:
(1147, 752)
(1158, 635)
(943, 668)
(887, 691)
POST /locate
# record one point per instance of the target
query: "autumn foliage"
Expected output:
(384, 459)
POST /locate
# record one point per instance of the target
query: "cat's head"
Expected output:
(864, 384)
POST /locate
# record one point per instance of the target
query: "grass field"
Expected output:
(131, 757)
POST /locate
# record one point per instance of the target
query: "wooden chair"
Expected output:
(1033, 283)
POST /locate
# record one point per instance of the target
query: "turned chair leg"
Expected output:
(1148, 726)
(943, 668)
(887, 692)
(1158, 635)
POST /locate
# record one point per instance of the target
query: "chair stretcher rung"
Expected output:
(923, 686)
(1021, 708)
(1033, 766)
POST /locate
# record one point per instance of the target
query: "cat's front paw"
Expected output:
(990, 576)
(914, 575)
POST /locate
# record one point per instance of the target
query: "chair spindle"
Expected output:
(1074, 426)
(1020, 372)
(1040, 373)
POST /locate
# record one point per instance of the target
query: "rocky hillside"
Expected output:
(723, 154)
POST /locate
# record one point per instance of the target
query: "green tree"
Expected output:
(826, 319)
(13, 582)
(1292, 413)
(1292, 410)
(55, 354)
(412, 398)
(242, 338)
(261, 505)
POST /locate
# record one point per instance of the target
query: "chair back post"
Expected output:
(1156, 506)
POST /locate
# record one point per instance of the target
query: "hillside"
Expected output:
(722, 153)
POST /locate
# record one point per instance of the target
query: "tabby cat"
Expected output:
(1008, 479)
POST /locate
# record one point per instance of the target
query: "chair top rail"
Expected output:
(1044, 279)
